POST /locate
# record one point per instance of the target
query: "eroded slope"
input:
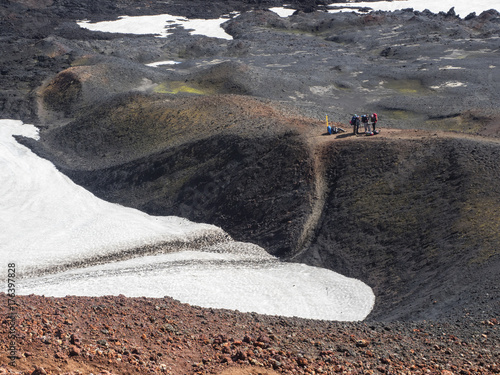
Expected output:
(417, 219)
(233, 161)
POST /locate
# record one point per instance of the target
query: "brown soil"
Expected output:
(118, 335)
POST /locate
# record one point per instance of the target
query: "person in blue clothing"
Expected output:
(334, 129)
(355, 122)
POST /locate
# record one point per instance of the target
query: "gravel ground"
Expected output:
(118, 335)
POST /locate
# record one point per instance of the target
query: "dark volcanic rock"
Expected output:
(410, 219)
(321, 62)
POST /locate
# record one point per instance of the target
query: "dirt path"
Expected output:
(318, 200)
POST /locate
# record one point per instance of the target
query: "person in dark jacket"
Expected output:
(374, 119)
(355, 122)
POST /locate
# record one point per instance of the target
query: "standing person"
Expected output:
(355, 124)
(364, 120)
(374, 119)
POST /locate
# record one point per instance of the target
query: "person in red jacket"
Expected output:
(374, 119)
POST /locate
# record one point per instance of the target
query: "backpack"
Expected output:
(374, 117)
(353, 120)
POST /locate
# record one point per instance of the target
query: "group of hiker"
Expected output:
(369, 122)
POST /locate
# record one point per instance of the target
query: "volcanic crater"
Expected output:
(235, 135)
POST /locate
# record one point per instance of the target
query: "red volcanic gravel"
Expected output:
(119, 335)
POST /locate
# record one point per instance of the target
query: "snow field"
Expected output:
(48, 221)
(220, 280)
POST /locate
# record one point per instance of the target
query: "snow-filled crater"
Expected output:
(65, 241)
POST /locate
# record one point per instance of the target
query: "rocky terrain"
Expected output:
(118, 335)
(234, 135)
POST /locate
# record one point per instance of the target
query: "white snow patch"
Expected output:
(220, 280)
(451, 84)
(160, 63)
(159, 25)
(462, 7)
(48, 221)
(282, 12)
(449, 67)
